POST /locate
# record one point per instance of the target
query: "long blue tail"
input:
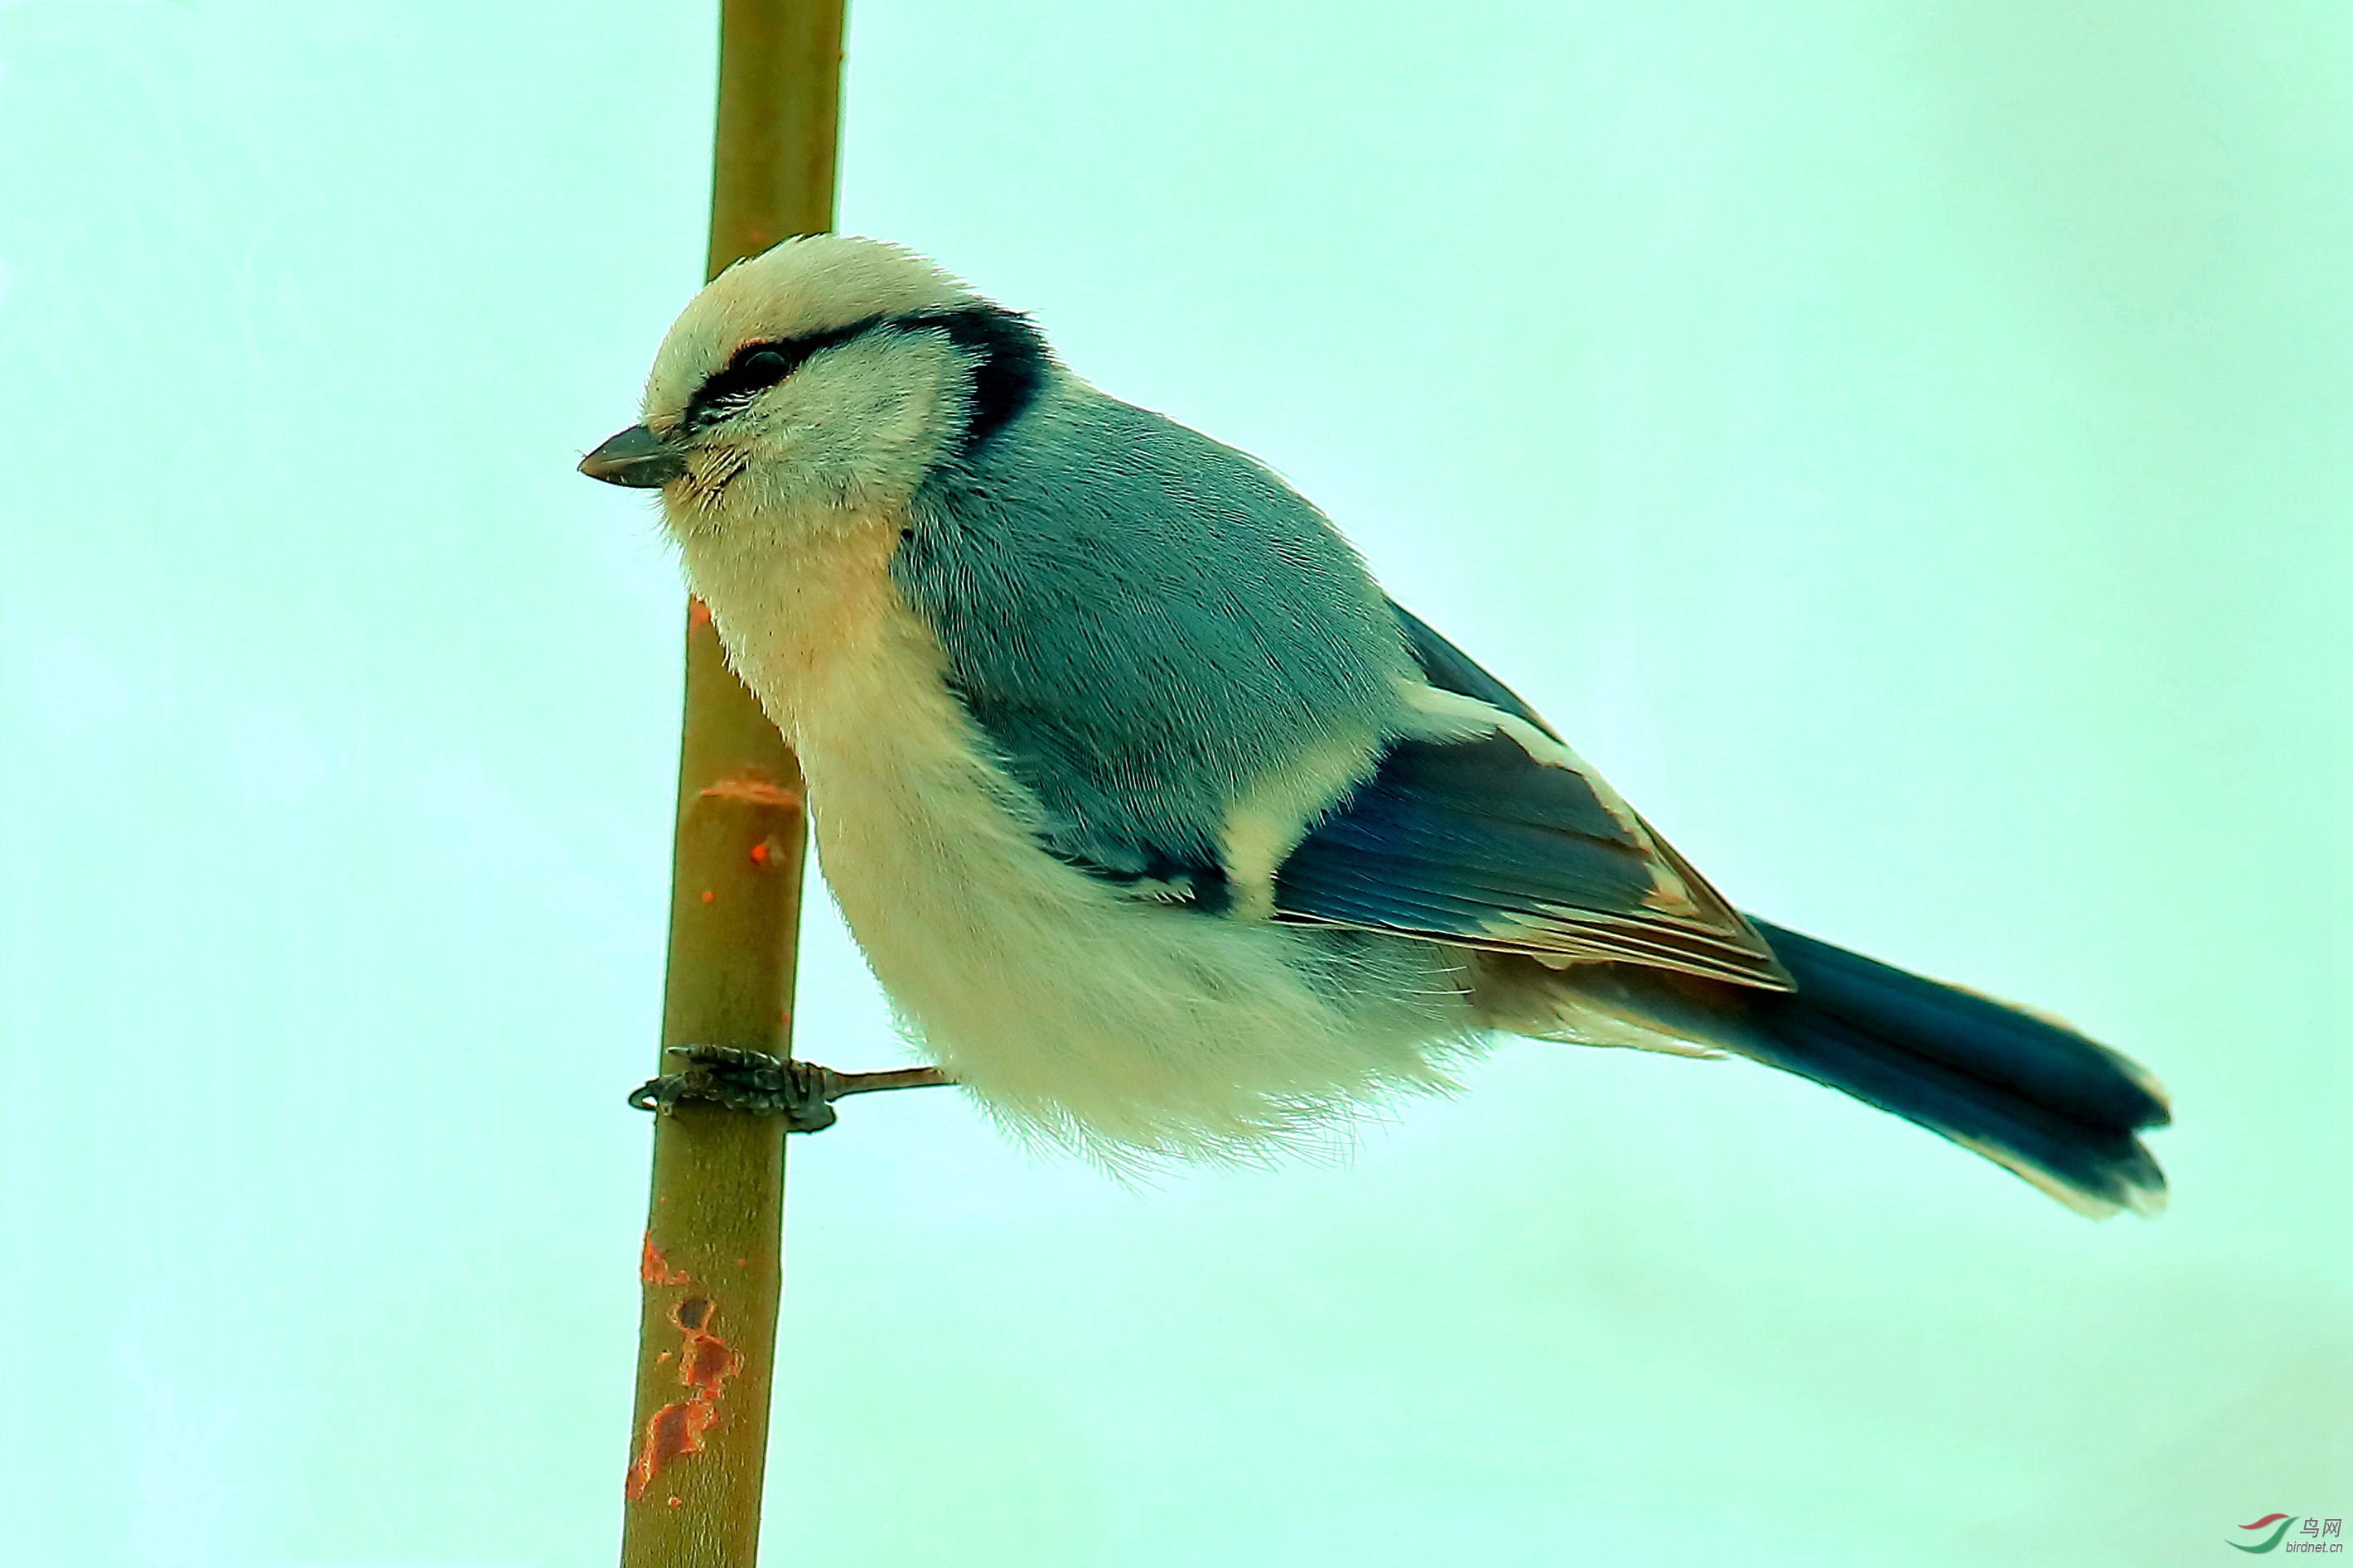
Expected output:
(2058, 1109)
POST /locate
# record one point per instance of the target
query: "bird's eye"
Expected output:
(752, 371)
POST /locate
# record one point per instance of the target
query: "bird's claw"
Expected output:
(751, 1081)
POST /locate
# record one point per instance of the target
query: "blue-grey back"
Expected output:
(1145, 622)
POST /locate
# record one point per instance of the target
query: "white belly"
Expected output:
(1073, 1012)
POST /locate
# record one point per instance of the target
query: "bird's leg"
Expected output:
(761, 1085)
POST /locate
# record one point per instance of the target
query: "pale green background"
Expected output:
(1905, 447)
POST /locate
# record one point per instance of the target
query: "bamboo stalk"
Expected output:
(712, 1265)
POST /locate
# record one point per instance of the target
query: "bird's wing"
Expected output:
(1491, 833)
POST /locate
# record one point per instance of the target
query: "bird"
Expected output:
(1168, 833)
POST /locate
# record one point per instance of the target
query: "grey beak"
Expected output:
(637, 458)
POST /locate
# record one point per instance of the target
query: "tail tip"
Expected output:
(2137, 1184)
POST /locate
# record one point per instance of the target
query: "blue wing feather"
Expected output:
(1497, 839)
(1449, 668)
(1143, 623)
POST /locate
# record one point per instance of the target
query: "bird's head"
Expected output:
(830, 372)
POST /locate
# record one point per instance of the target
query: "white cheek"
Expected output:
(855, 429)
(860, 427)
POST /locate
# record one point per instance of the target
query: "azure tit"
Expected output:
(1167, 831)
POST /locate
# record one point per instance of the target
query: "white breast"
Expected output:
(1074, 1012)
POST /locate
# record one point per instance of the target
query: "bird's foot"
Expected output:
(758, 1084)
(751, 1081)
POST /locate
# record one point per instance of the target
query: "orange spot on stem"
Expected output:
(653, 1269)
(760, 853)
(708, 895)
(751, 791)
(705, 1363)
(675, 1429)
(698, 614)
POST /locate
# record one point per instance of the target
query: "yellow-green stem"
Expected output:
(713, 1260)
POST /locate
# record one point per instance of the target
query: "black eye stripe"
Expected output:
(1011, 369)
(755, 368)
